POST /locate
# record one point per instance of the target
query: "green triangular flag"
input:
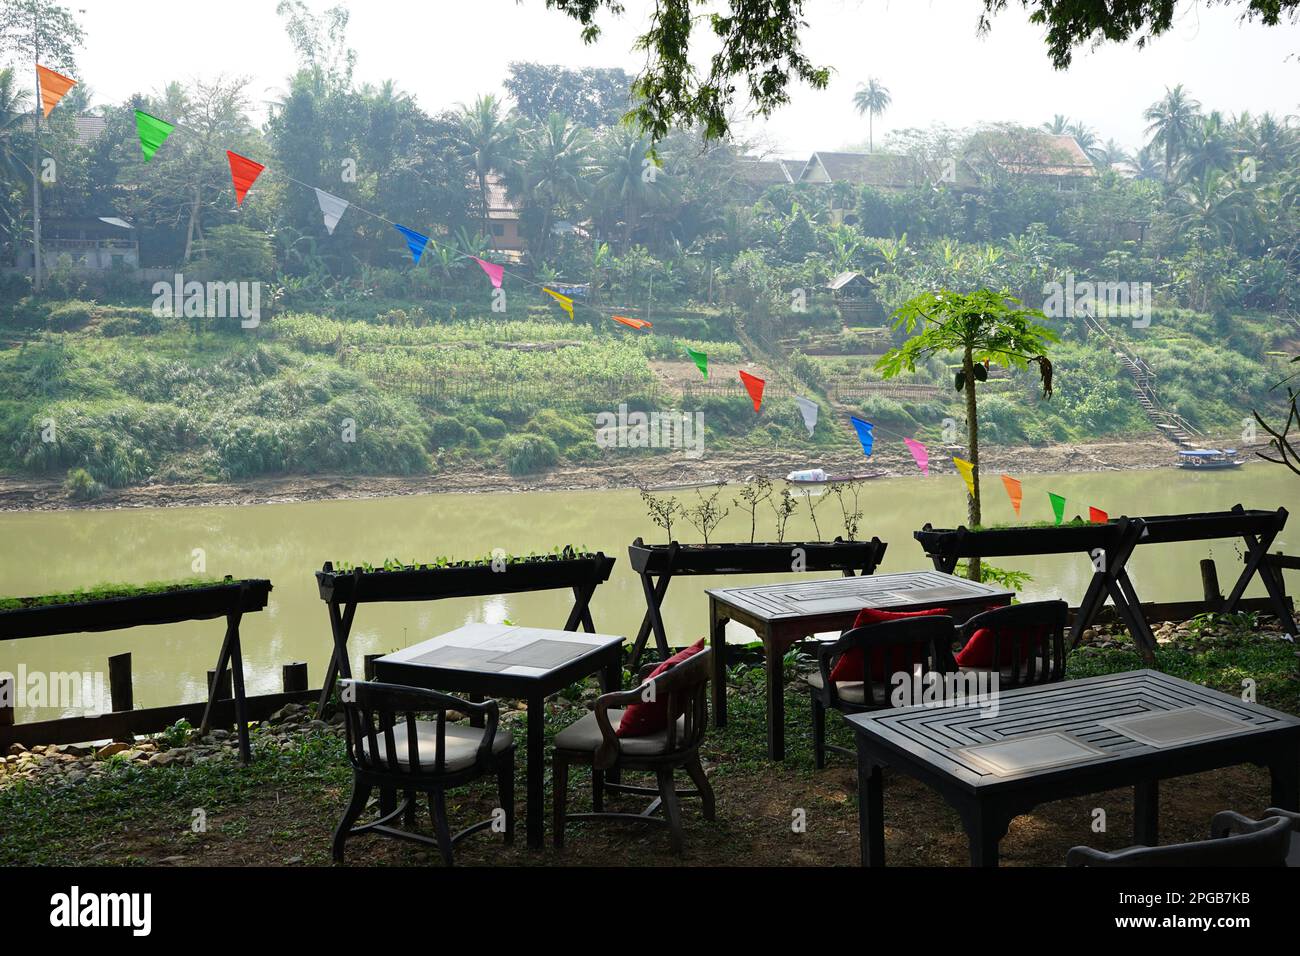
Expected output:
(700, 359)
(1058, 506)
(153, 132)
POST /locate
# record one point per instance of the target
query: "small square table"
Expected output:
(784, 614)
(501, 660)
(1075, 737)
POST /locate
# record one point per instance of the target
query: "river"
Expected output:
(46, 552)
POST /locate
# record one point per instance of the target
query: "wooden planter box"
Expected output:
(162, 607)
(954, 543)
(766, 557)
(426, 584)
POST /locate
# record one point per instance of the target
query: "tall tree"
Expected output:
(983, 327)
(1171, 121)
(488, 140)
(44, 32)
(871, 100)
(592, 97)
(552, 171)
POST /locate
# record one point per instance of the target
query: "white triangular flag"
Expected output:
(808, 409)
(332, 208)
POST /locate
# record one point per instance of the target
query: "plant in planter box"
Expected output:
(851, 518)
(706, 515)
(783, 506)
(753, 493)
(812, 510)
(662, 511)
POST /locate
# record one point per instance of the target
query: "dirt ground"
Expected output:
(47, 494)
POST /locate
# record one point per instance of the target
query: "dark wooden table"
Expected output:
(474, 660)
(928, 743)
(784, 614)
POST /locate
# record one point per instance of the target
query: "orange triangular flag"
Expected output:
(1097, 516)
(753, 385)
(637, 324)
(1013, 492)
(54, 87)
(243, 172)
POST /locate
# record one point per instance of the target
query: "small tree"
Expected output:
(1280, 437)
(662, 511)
(984, 327)
(753, 493)
(851, 518)
(706, 516)
(812, 510)
(783, 506)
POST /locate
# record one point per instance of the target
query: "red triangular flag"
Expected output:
(1097, 516)
(243, 172)
(753, 385)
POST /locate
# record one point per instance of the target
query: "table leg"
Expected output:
(536, 770)
(775, 699)
(611, 680)
(985, 829)
(1146, 813)
(1285, 773)
(871, 810)
(718, 642)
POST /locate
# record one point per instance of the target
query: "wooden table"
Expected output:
(927, 743)
(784, 614)
(476, 659)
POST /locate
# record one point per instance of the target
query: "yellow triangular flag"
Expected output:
(565, 302)
(967, 474)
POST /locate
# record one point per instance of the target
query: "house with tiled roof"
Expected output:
(1046, 158)
(88, 128)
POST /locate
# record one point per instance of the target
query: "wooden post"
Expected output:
(1210, 585)
(224, 690)
(119, 682)
(8, 703)
(294, 676)
(368, 665)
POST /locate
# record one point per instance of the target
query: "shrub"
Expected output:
(525, 454)
(81, 486)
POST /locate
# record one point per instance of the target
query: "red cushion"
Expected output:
(650, 716)
(978, 651)
(849, 666)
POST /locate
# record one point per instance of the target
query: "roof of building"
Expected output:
(500, 204)
(764, 172)
(865, 169)
(1048, 155)
(845, 279)
(88, 128)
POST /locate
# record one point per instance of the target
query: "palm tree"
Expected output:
(1171, 121)
(13, 166)
(1146, 164)
(488, 141)
(1209, 147)
(1086, 137)
(872, 100)
(552, 171)
(626, 184)
(1111, 154)
(1058, 125)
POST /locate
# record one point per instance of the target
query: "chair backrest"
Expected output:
(1258, 843)
(684, 690)
(1028, 640)
(899, 646)
(372, 710)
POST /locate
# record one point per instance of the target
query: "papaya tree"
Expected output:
(985, 328)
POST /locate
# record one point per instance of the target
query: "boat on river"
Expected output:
(1209, 459)
(817, 477)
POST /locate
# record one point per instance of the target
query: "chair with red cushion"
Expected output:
(1026, 640)
(655, 727)
(892, 647)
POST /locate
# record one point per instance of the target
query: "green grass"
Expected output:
(102, 592)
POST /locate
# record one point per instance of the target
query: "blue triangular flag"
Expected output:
(414, 241)
(864, 433)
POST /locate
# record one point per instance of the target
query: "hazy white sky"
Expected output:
(925, 51)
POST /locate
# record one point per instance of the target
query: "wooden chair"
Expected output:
(392, 750)
(1235, 841)
(1028, 641)
(592, 741)
(899, 645)
(1222, 824)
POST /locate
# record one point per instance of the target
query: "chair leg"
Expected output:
(408, 818)
(819, 733)
(560, 786)
(672, 809)
(438, 810)
(506, 791)
(702, 784)
(597, 790)
(357, 803)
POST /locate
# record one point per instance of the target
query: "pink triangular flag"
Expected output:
(494, 271)
(920, 454)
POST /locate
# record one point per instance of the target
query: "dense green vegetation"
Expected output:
(365, 363)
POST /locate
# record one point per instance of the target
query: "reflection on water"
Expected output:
(43, 552)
